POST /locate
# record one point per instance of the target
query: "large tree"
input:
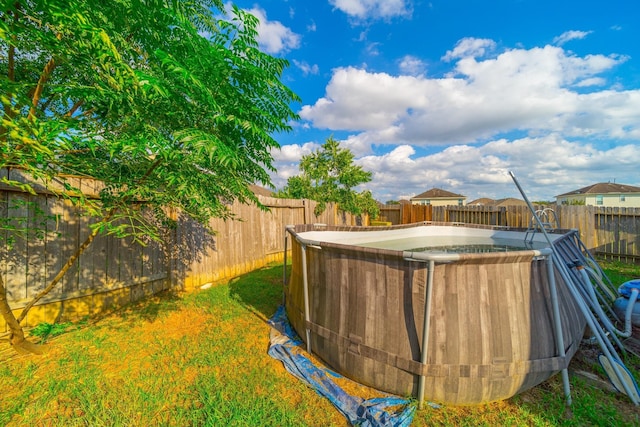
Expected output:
(329, 175)
(169, 102)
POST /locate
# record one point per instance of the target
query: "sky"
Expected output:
(455, 94)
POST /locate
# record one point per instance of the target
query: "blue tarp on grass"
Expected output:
(286, 347)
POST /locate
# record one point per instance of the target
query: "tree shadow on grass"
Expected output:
(183, 247)
(147, 309)
(259, 291)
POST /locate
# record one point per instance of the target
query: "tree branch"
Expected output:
(44, 76)
(75, 107)
(11, 76)
(46, 73)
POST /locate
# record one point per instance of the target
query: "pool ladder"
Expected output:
(545, 218)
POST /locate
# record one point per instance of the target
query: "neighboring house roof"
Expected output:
(483, 201)
(260, 191)
(509, 201)
(602, 188)
(436, 193)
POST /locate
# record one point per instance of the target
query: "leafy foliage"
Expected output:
(161, 100)
(163, 103)
(329, 175)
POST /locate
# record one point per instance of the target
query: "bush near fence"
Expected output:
(113, 271)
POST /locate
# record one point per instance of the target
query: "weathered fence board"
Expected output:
(416, 213)
(618, 233)
(391, 213)
(17, 261)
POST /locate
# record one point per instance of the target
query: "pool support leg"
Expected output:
(305, 285)
(284, 268)
(557, 323)
(425, 329)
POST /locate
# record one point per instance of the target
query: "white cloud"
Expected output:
(593, 81)
(273, 36)
(570, 35)
(411, 65)
(286, 160)
(312, 27)
(520, 89)
(294, 152)
(306, 68)
(470, 47)
(550, 163)
(373, 9)
(372, 49)
(371, 101)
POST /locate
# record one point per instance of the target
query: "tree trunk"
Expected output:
(16, 334)
(64, 269)
(17, 339)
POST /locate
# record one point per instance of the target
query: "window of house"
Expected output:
(459, 202)
(622, 199)
(599, 200)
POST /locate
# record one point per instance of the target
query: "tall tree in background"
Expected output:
(329, 175)
(162, 100)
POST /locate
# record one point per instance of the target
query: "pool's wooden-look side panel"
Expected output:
(491, 325)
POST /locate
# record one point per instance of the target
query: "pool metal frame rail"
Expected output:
(431, 259)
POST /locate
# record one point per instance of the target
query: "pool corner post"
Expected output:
(305, 285)
(425, 331)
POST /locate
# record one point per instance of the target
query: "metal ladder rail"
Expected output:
(569, 254)
(571, 284)
(542, 219)
(573, 249)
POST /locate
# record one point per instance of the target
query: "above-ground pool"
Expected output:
(454, 314)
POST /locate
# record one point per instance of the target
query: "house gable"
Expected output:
(603, 194)
(439, 197)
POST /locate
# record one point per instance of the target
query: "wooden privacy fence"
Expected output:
(613, 233)
(512, 216)
(114, 271)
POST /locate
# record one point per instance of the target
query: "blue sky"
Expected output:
(455, 94)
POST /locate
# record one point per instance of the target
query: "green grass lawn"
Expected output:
(200, 359)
